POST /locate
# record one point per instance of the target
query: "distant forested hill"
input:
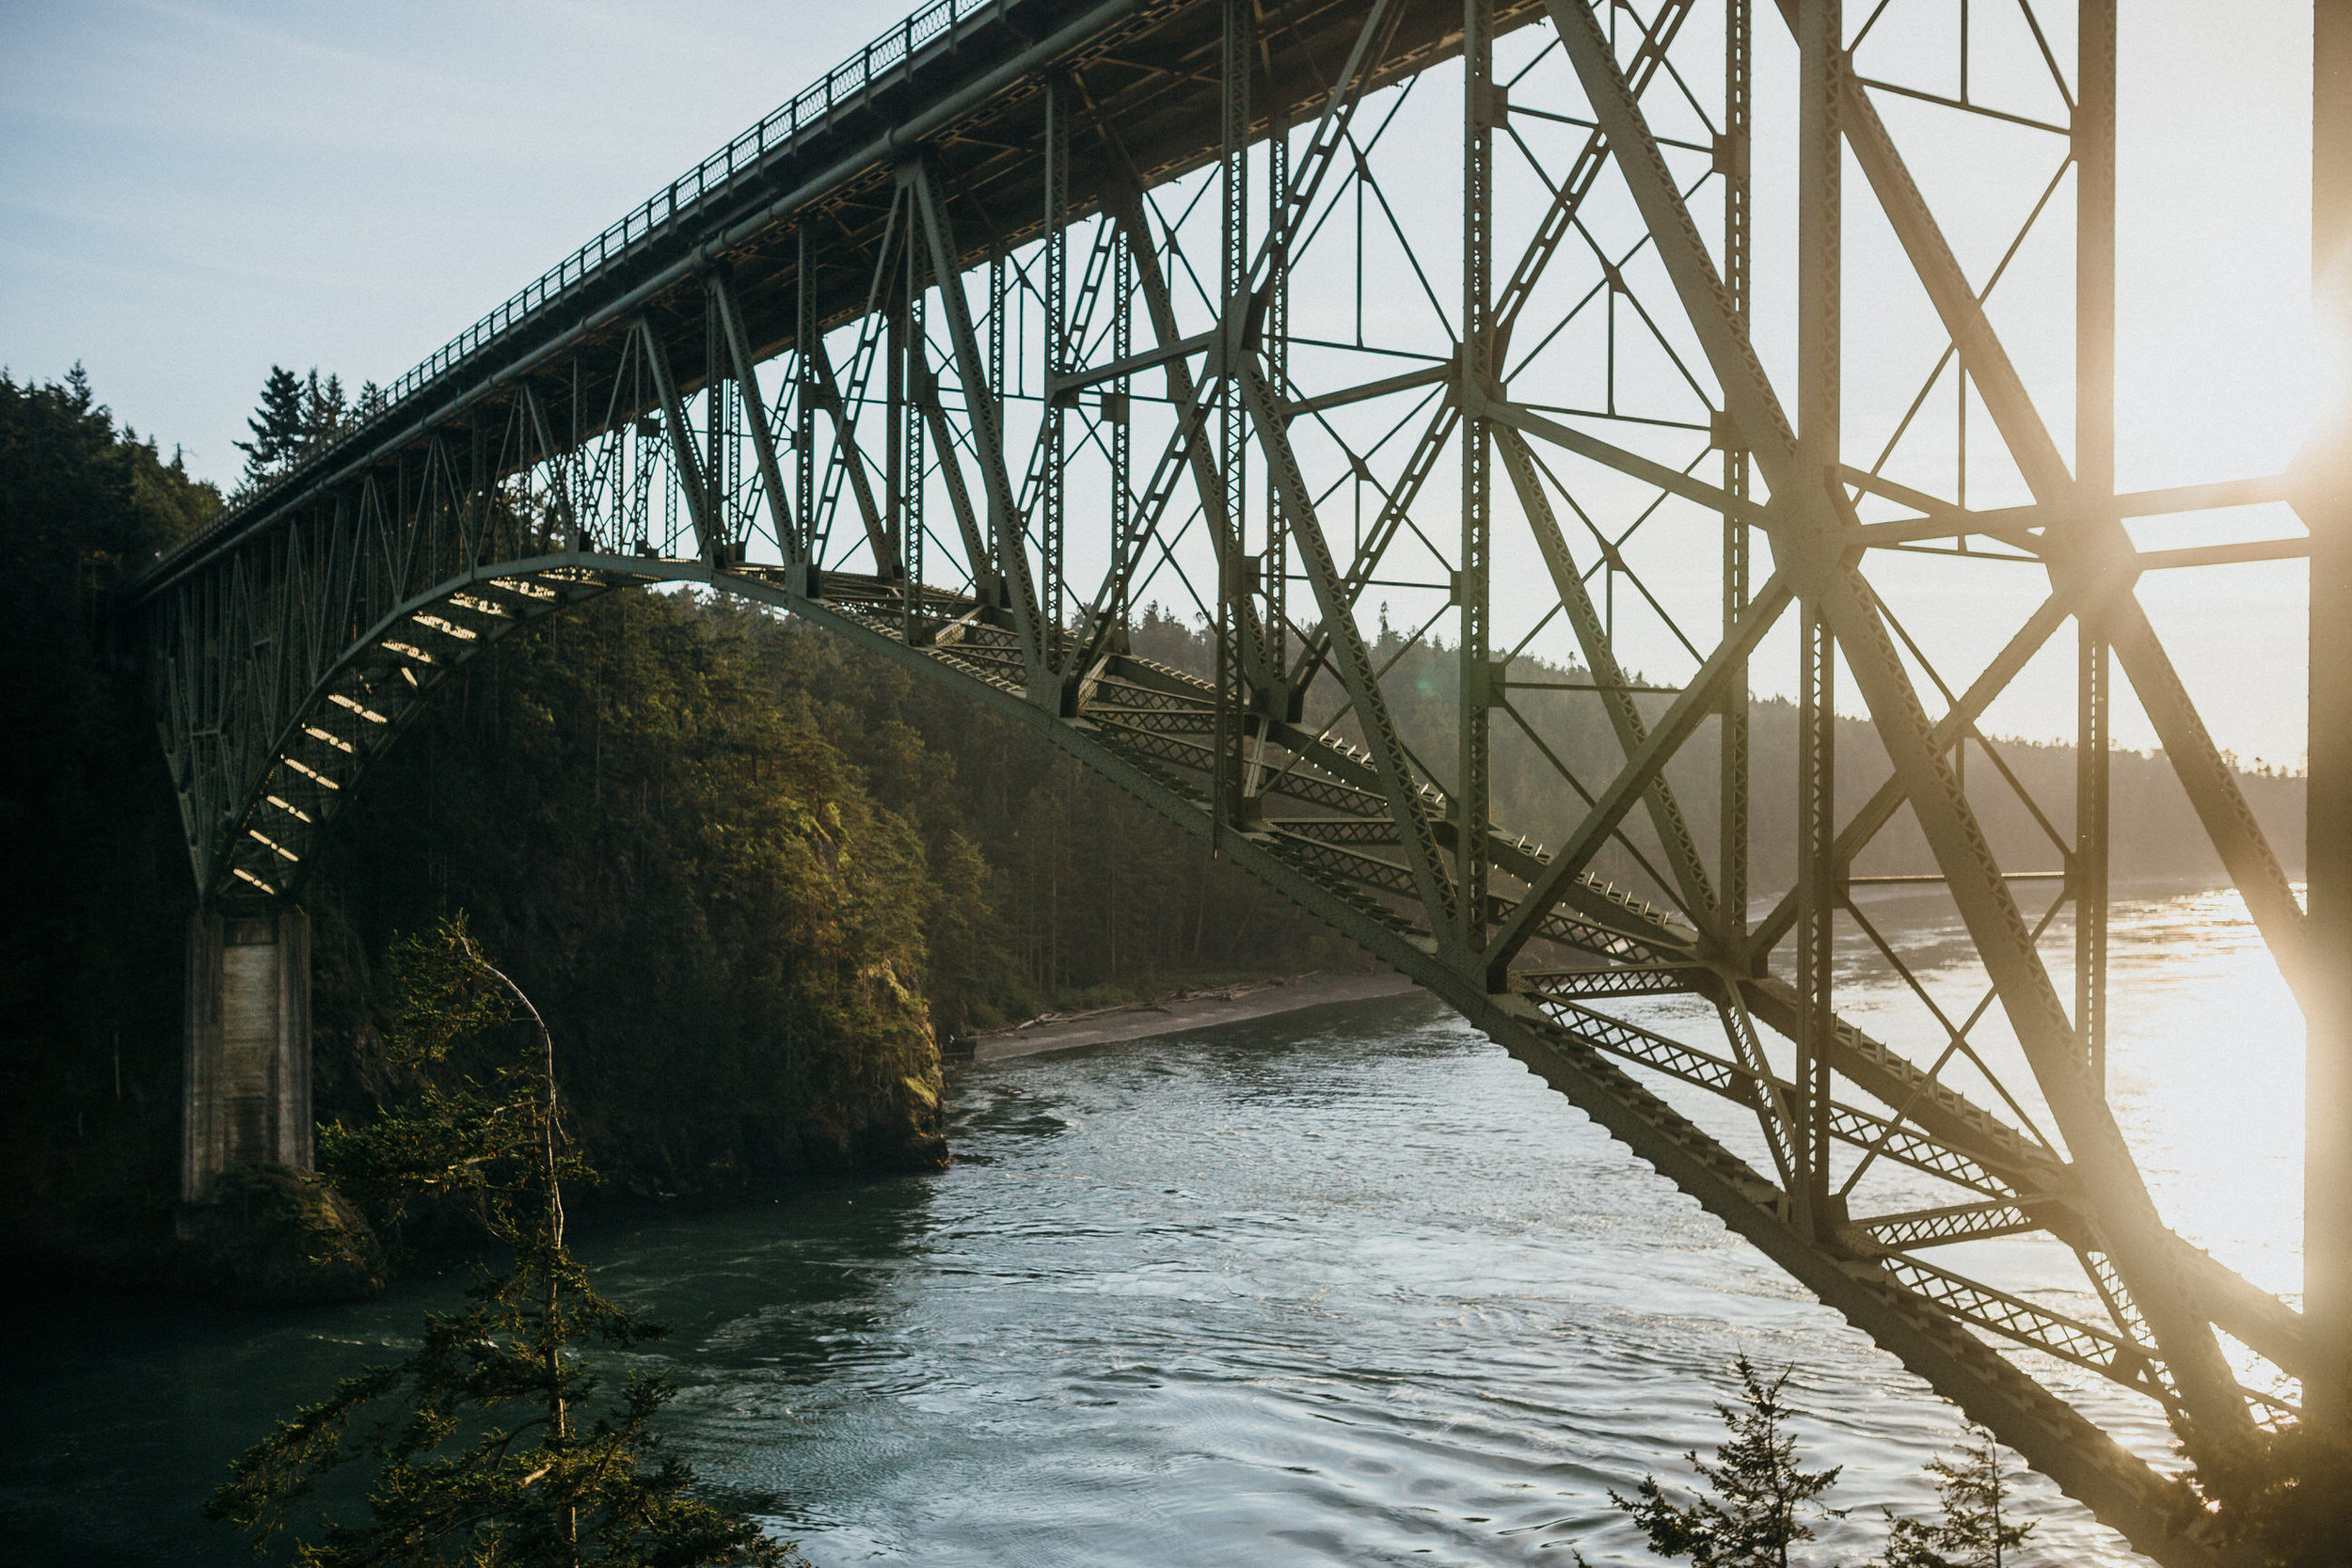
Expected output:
(2156, 837)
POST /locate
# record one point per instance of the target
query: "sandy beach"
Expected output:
(1194, 1009)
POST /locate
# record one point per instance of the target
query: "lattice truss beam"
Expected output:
(1385, 339)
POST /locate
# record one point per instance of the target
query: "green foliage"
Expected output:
(322, 407)
(1759, 1502)
(490, 1443)
(2284, 1495)
(1977, 1529)
(91, 933)
(276, 425)
(472, 1119)
(1085, 891)
(295, 416)
(743, 865)
(645, 812)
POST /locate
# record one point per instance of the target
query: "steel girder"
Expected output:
(1159, 301)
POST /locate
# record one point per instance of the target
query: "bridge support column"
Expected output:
(248, 1066)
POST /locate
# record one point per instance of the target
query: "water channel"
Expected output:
(1347, 1286)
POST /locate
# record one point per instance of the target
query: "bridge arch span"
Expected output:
(254, 813)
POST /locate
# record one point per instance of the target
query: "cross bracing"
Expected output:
(1369, 329)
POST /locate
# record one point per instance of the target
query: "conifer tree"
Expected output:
(491, 1445)
(1975, 1530)
(1760, 1503)
(323, 410)
(281, 426)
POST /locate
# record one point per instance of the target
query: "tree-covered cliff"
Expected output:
(648, 821)
(93, 926)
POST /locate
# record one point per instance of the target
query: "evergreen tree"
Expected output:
(323, 410)
(490, 1448)
(297, 416)
(281, 426)
(1975, 1531)
(1762, 1502)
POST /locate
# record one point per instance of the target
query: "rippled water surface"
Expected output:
(1344, 1287)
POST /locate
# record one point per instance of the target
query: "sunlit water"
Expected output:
(1344, 1286)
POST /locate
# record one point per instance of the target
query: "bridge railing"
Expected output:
(716, 176)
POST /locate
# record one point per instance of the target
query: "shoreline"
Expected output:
(1184, 1010)
(1245, 1000)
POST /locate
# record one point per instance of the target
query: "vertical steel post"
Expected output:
(1233, 426)
(721, 438)
(2327, 508)
(2093, 739)
(996, 297)
(997, 294)
(1057, 355)
(1274, 336)
(896, 416)
(1116, 415)
(1819, 151)
(1732, 164)
(2094, 482)
(1818, 891)
(914, 460)
(995, 379)
(474, 507)
(804, 398)
(713, 549)
(1472, 732)
(728, 481)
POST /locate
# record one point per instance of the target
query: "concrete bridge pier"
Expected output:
(247, 1074)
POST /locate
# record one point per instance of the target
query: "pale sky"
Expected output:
(192, 192)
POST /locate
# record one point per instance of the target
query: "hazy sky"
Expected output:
(190, 193)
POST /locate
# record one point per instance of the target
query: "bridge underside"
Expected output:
(1036, 314)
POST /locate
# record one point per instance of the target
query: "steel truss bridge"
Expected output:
(1281, 312)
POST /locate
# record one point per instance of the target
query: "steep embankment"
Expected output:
(725, 929)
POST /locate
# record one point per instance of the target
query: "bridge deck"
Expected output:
(961, 79)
